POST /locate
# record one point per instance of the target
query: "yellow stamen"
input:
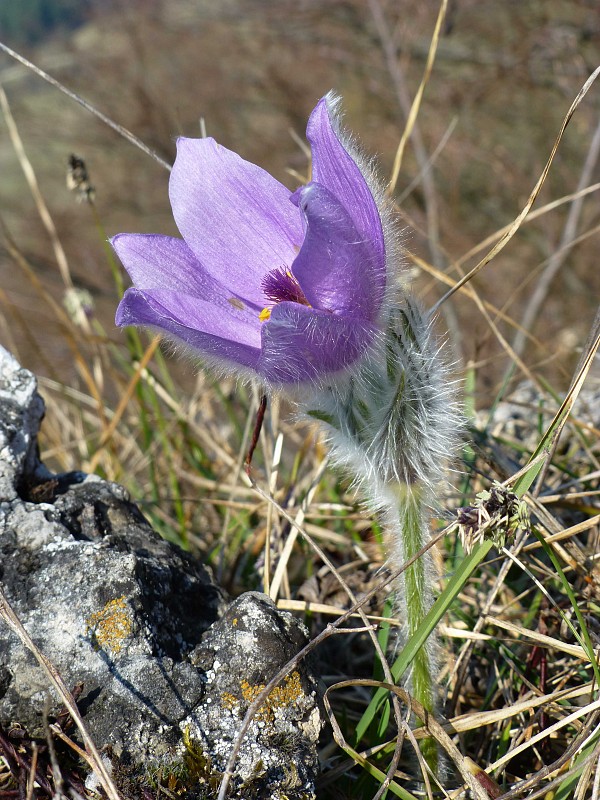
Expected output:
(264, 314)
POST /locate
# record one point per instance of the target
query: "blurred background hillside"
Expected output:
(251, 70)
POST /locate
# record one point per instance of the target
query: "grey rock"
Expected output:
(166, 671)
(239, 656)
(113, 606)
(22, 410)
(526, 412)
(519, 421)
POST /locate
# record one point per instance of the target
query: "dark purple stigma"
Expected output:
(280, 284)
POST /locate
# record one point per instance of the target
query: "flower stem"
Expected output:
(409, 534)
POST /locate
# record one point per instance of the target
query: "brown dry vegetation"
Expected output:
(504, 77)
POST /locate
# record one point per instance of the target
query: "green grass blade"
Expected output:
(376, 773)
(437, 611)
(566, 789)
(585, 639)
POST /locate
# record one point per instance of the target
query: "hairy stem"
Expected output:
(409, 534)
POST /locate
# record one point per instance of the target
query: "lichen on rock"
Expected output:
(239, 656)
(141, 624)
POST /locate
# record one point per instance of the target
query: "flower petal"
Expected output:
(203, 315)
(302, 344)
(338, 270)
(219, 338)
(155, 261)
(334, 168)
(233, 215)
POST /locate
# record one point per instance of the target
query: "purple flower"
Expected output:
(286, 286)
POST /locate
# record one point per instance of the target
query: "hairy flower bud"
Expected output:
(394, 419)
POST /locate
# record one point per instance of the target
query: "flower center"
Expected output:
(279, 285)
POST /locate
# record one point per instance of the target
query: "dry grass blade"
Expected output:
(533, 215)
(201, 432)
(567, 241)
(416, 104)
(546, 791)
(11, 619)
(124, 401)
(31, 779)
(498, 313)
(497, 333)
(539, 638)
(430, 728)
(48, 222)
(294, 531)
(546, 733)
(476, 720)
(462, 662)
(56, 771)
(88, 106)
(558, 423)
(514, 227)
(568, 533)
(307, 606)
(586, 360)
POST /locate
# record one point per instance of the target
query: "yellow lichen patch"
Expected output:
(229, 700)
(249, 692)
(288, 693)
(279, 697)
(112, 625)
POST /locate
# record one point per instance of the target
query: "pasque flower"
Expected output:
(286, 286)
(301, 288)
